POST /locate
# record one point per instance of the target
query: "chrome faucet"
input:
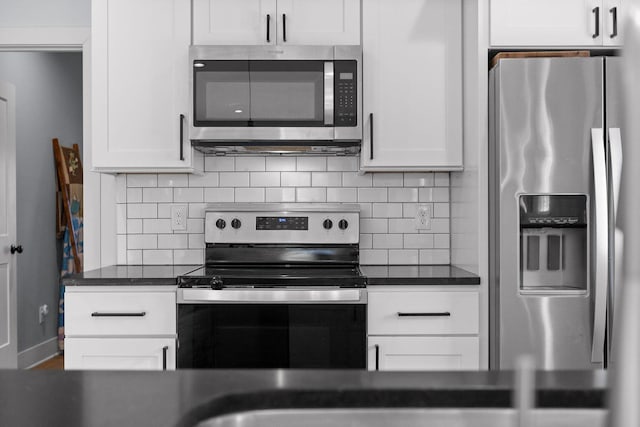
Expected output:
(624, 385)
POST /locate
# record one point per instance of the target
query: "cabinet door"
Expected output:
(412, 89)
(546, 22)
(423, 353)
(234, 22)
(147, 354)
(313, 22)
(614, 12)
(140, 85)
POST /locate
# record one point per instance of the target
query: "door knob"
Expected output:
(15, 249)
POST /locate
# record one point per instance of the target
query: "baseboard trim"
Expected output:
(38, 353)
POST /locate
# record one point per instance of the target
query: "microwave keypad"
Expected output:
(346, 106)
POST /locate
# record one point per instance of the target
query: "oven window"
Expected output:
(303, 336)
(259, 93)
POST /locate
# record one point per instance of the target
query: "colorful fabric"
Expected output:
(68, 266)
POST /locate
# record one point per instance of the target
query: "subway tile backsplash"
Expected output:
(388, 204)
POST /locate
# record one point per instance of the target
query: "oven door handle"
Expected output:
(271, 296)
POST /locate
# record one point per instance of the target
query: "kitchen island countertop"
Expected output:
(183, 398)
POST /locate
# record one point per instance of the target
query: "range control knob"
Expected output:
(235, 223)
(327, 224)
(221, 223)
(343, 224)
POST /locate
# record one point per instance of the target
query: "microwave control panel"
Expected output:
(345, 89)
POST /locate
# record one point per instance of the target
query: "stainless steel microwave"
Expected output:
(285, 99)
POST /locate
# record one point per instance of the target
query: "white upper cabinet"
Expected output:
(140, 85)
(588, 23)
(412, 85)
(259, 22)
(229, 22)
(324, 22)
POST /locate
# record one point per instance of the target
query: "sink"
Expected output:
(390, 417)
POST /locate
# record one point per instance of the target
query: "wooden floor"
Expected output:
(55, 363)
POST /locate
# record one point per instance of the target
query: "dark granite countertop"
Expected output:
(418, 275)
(182, 398)
(158, 275)
(140, 275)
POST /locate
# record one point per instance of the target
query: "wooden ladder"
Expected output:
(69, 179)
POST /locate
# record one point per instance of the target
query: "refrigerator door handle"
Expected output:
(615, 147)
(601, 247)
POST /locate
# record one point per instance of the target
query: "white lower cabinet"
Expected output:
(422, 328)
(143, 354)
(120, 328)
(423, 353)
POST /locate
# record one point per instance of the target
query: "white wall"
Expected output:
(45, 13)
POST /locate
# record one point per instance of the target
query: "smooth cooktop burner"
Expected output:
(270, 276)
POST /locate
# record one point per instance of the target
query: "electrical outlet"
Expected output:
(43, 310)
(179, 217)
(423, 217)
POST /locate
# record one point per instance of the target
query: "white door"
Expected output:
(614, 12)
(412, 85)
(139, 84)
(232, 22)
(123, 354)
(8, 300)
(547, 22)
(311, 22)
(445, 353)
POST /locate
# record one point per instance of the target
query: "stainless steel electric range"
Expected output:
(280, 288)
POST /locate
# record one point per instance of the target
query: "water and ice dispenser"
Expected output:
(554, 246)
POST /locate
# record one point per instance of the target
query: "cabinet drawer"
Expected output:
(423, 313)
(120, 313)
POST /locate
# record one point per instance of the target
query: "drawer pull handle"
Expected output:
(137, 314)
(377, 357)
(441, 314)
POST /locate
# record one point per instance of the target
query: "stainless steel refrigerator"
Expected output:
(555, 162)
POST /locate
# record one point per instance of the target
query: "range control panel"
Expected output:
(282, 223)
(253, 226)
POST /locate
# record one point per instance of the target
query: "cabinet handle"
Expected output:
(268, 28)
(614, 12)
(165, 350)
(135, 314)
(181, 136)
(13, 249)
(432, 314)
(377, 357)
(370, 136)
(596, 12)
(284, 27)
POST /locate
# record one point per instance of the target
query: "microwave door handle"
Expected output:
(601, 246)
(329, 100)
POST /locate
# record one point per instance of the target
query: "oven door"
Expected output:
(272, 329)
